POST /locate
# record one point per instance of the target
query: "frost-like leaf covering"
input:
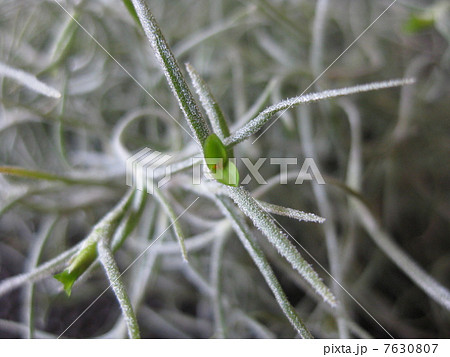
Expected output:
(262, 118)
(291, 213)
(173, 218)
(87, 253)
(29, 81)
(209, 103)
(172, 72)
(112, 271)
(244, 234)
(38, 273)
(262, 220)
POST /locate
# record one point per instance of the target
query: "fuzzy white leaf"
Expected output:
(427, 283)
(172, 72)
(29, 81)
(257, 123)
(112, 271)
(209, 103)
(291, 213)
(42, 271)
(265, 223)
(244, 234)
(175, 223)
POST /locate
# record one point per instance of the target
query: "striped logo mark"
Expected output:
(140, 170)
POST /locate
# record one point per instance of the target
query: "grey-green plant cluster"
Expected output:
(84, 85)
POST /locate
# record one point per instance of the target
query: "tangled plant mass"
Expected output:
(220, 259)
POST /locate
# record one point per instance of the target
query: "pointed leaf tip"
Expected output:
(67, 279)
(222, 168)
(214, 150)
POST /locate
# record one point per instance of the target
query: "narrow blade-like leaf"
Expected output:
(172, 72)
(257, 123)
(262, 220)
(87, 254)
(209, 103)
(129, 5)
(28, 80)
(114, 276)
(253, 249)
(175, 223)
(291, 212)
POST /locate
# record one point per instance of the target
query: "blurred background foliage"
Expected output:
(242, 49)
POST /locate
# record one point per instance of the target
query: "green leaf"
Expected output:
(229, 175)
(418, 22)
(215, 152)
(87, 253)
(42, 175)
(67, 279)
(222, 168)
(80, 263)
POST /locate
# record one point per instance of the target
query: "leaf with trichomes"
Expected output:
(262, 118)
(255, 252)
(40, 272)
(209, 103)
(291, 213)
(112, 271)
(172, 72)
(262, 220)
(85, 257)
(87, 253)
(173, 217)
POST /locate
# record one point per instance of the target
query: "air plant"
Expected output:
(240, 208)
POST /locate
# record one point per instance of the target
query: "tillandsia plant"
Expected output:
(129, 240)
